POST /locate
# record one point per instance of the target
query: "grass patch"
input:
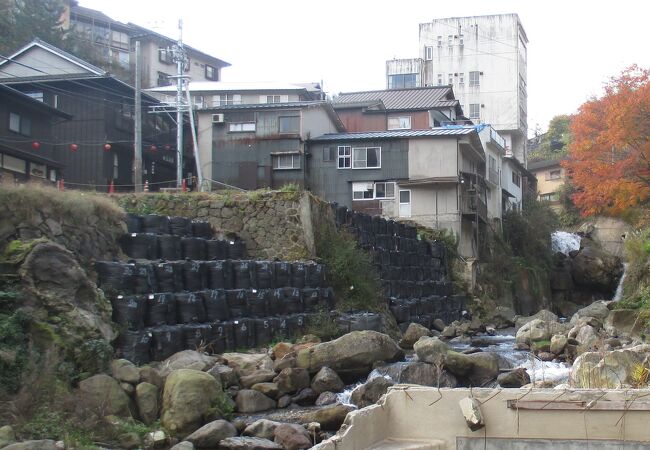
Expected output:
(350, 271)
(14, 342)
(323, 325)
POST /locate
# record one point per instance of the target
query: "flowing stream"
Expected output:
(564, 242)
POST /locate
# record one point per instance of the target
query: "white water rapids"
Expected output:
(564, 242)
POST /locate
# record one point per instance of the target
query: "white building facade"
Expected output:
(484, 59)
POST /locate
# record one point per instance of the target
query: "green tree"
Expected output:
(554, 144)
(21, 21)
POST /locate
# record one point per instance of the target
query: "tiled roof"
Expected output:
(442, 131)
(403, 99)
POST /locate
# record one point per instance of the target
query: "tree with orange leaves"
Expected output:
(609, 156)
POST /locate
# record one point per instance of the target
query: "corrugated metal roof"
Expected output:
(227, 86)
(403, 99)
(442, 131)
(269, 105)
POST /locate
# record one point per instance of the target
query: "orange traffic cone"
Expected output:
(184, 185)
(111, 187)
(146, 186)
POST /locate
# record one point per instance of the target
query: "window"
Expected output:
(366, 158)
(288, 161)
(385, 190)
(163, 79)
(165, 56)
(428, 53)
(440, 79)
(226, 99)
(461, 78)
(239, 127)
(474, 78)
(362, 191)
(399, 123)
(344, 157)
(119, 39)
(328, 154)
(450, 40)
(290, 124)
(439, 41)
(451, 79)
(474, 111)
(35, 95)
(211, 73)
(13, 164)
(516, 179)
(555, 174)
(492, 163)
(406, 80)
(20, 124)
(461, 40)
(116, 167)
(273, 99)
(552, 197)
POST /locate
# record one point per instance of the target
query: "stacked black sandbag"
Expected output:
(166, 340)
(194, 248)
(216, 305)
(196, 335)
(135, 346)
(140, 245)
(236, 249)
(244, 333)
(202, 229)
(312, 301)
(298, 275)
(257, 302)
(133, 223)
(156, 224)
(292, 301)
(217, 249)
(169, 247)
(243, 272)
(129, 311)
(112, 277)
(169, 275)
(143, 278)
(263, 332)
(237, 303)
(180, 226)
(194, 277)
(161, 309)
(189, 308)
(264, 275)
(282, 271)
(315, 277)
(223, 336)
(219, 274)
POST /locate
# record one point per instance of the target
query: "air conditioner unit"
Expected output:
(217, 118)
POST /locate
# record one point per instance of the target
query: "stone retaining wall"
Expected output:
(272, 224)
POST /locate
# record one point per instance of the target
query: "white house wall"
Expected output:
(433, 158)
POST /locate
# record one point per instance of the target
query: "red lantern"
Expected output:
(153, 148)
(36, 145)
(107, 147)
(74, 147)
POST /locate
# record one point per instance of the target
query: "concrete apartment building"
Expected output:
(484, 59)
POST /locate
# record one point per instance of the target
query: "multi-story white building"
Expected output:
(484, 59)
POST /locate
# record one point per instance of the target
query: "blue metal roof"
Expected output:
(396, 134)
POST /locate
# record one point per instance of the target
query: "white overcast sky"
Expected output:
(575, 45)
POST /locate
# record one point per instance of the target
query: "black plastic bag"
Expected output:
(257, 302)
(197, 336)
(298, 275)
(133, 223)
(276, 302)
(242, 271)
(166, 340)
(189, 308)
(180, 226)
(169, 247)
(264, 277)
(217, 249)
(315, 275)
(216, 305)
(129, 311)
(153, 223)
(244, 333)
(219, 274)
(194, 248)
(140, 245)
(166, 278)
(223, 337)
(135, 346)
(144, 280)
(282, 274)
(292, 301)
(263, 332)
(237, 303)
(161, 309)
(236, 249)
(312, 300)
(194, 278)
(113, 277)
(202, 229)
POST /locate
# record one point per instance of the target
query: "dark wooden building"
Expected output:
(26, 138)
(95, 147)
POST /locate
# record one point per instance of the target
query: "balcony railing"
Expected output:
(472, 205)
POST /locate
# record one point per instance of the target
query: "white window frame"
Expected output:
(241, 127)
(450, 40)
(386, 184)
(278, 165)
(439, 41)
(428, 53)
(451, 79)
(403, 123)
(475, 78)
(461, 78)
(344, 154)
(20, 124)
(475, 111)
(360, 190)
(440, 79)
(214, 76)
(357, 161)
(461, 40)
(554, 174)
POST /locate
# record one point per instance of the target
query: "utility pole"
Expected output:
(179, 57)
(137, 157)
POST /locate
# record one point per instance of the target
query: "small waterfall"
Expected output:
(619, 289)
(564, 242)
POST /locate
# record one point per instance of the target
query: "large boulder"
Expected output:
(268, 389)
(622, 322)
(126, 371)
(44, 444)
(259, 376)
(292, 379)
(538, 330)
(188, 359)
(370, 392)
(501, 317)
(189, 398)
(247, 363)
(596, 269)
(352, 352)
(419, 373)
(485, 368)
(543, 314)
(251, 401)
(327, 380)
(210, 434)
(514, 379)
(262, 428)
(146, 399)
(101, 392)
(414, 332)
(614, 370)
(597, 310)
(329, 417)
(431, 350)
(292, 437)
(248, 443)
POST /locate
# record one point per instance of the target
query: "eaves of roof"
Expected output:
(396, 134)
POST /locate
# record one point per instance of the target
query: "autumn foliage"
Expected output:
(609, 156)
